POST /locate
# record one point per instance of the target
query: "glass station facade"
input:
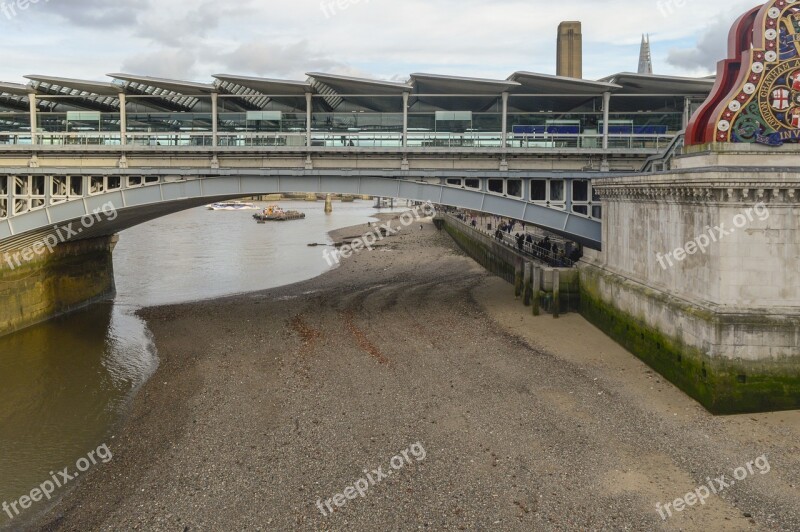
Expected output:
(526, 111)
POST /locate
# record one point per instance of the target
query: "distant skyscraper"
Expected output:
(569, 62)
(645, 57)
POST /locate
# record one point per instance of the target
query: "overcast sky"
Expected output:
(385, 39)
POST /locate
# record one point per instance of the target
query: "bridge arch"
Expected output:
(141, 199)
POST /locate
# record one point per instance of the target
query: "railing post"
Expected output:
(214, 118)
(123, 119)
(405, 119)
(309, 110)
(34, 119)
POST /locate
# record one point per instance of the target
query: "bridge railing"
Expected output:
(531, 249)
(359, 139)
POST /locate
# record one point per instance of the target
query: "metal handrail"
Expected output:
(528, 248)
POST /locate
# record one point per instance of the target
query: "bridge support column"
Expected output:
(698, 276)
(35, 288)
(527, 284)
(556, 293)
(537, 289)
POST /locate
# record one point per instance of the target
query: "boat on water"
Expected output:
(232, 206)
(274, 213)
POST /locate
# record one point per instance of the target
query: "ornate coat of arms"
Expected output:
(756, 97)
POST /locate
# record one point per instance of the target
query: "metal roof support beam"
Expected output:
(123, 120)
(505, 121)
(34, 119)
(309, 109)
(214, 118)
(687, 115)
(405, 119)
(606, 113)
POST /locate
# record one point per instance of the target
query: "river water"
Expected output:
(66, 383)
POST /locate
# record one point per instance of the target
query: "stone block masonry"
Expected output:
(722, 324)
(74, 276)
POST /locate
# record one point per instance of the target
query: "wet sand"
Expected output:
(265, 403)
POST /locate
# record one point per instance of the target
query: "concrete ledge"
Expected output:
(721, 380)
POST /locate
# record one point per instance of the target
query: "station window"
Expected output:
(473, 183)
(455, 181)
(514, 187)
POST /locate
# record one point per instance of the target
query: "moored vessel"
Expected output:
(274, 213)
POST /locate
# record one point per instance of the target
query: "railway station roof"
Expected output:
(340, 93)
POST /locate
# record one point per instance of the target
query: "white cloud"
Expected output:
(376, 38)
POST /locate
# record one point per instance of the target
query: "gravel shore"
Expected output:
(266, 403)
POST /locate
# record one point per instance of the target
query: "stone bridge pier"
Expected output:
(700, 274)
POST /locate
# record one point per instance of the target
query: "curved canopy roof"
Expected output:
(533, 83)
(171, 85)
(654, 84)
(97, 88)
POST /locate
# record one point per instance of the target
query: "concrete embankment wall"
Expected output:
(507, 264)
(74, 275)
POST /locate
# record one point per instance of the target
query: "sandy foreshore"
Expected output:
(268, 402)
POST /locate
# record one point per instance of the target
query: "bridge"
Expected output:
(37, 201)
(527, 147)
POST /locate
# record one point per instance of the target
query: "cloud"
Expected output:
(375, 38)
(97, 13)
(263, 58)
(174, 64)
(711, 47)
